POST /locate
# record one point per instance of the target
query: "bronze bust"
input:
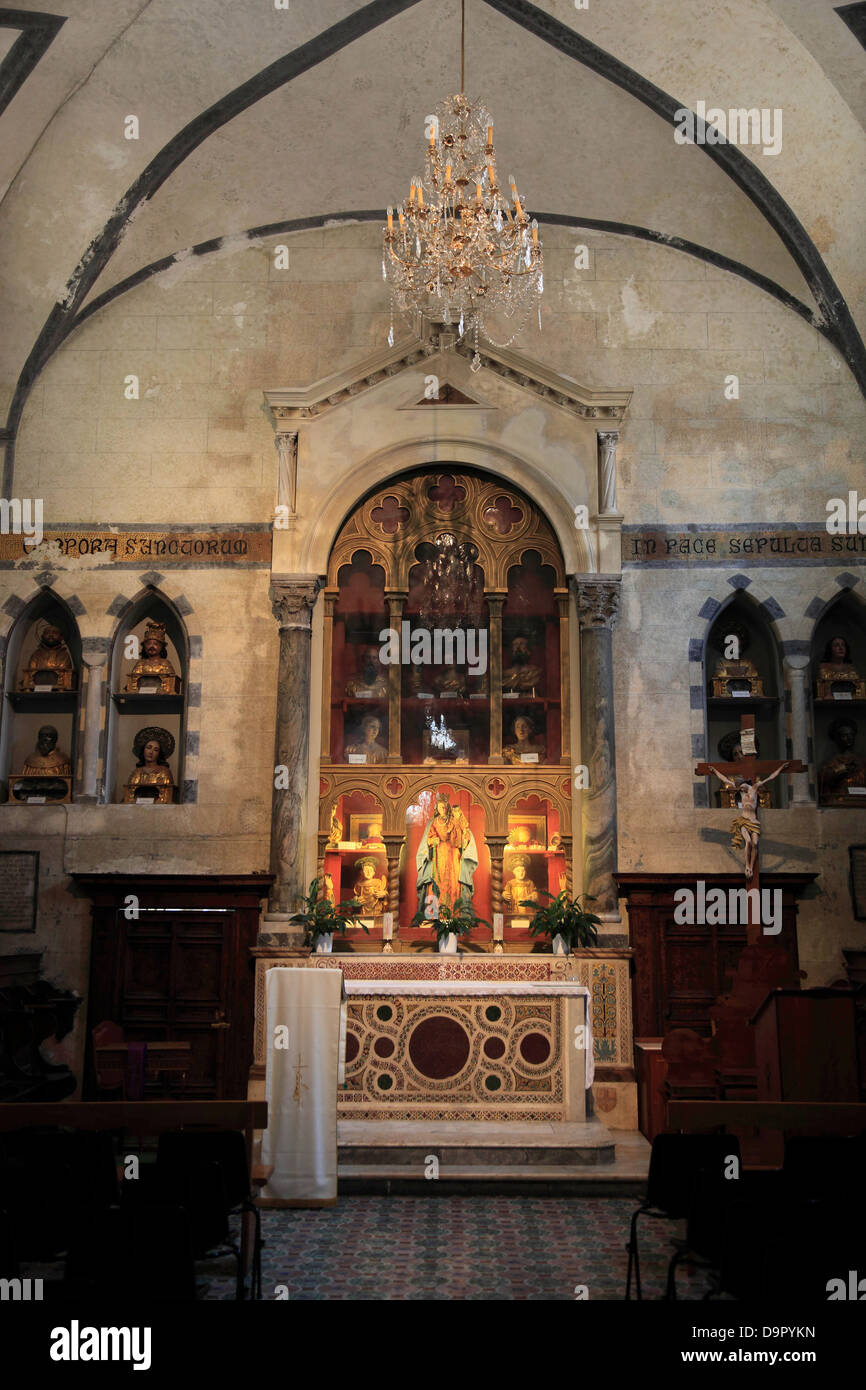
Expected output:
(151, 779)
(845, 770)
(50, 664)
(153, 673)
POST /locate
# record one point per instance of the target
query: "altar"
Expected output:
(511, 1039)
(431, 1050)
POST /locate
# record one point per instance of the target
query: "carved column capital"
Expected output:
(293, 598)
(597, 598)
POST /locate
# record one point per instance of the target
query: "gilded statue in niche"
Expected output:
(151, 779)
(447, 856)
(153, 673)
(519, 889)
(50, 664)
(371, 888)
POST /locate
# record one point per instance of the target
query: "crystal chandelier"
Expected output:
(461, 250)
(447, 578)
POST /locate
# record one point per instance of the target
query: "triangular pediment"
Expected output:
(296, 403)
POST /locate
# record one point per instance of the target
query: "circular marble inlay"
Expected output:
(492, 1083)
(493, 1013)
(439, 1048)
(384, 1012)
(494, 1048)
(384, 1082)
(383, 1047)
(353, 1047)
(535, 1048)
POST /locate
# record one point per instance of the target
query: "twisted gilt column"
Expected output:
(392, 850)
(597, 598)
(496, 846)
(293, 598)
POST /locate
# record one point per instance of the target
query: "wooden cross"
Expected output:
(752, 769)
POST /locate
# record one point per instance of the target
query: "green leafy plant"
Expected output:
(459, 919)
(568, 919)
(319, 917)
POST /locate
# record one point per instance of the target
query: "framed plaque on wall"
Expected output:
(19, 879)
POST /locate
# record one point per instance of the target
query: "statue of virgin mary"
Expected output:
(447, 856)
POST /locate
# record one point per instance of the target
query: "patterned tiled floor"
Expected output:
(474, 1248)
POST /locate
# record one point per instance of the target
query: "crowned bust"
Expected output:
(151, 778)
(50, 664)
(153, 673)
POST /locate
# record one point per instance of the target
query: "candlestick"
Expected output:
(387, 925)
(498, 925)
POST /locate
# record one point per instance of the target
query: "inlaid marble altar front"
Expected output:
(466, 1050)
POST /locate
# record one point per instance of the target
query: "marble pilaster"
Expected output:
(597, 598)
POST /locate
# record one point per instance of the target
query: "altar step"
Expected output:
(397, 1154)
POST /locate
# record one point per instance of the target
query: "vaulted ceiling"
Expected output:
(249, 115)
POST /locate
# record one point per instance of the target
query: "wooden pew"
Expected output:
(154, 1117)
(796, 1116)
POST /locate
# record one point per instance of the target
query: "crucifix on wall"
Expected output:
(746, 778)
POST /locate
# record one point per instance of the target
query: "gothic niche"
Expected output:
(43, 670)
(743, 676)
(838, 666)
(147, 718)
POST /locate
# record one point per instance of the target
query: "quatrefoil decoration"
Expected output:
(446, 493)
(502, 515)
(390, 515)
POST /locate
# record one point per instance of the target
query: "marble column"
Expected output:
(94, 656)
(293, 598)
(607, 442)
(597, 598)
(797, 666)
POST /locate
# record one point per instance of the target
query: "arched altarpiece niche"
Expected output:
(377, 581)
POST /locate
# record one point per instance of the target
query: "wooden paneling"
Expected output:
(180, 971)
(679, 971)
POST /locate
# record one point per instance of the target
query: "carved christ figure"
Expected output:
(746, 827)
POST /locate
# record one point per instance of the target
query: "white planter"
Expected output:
(448, 944)
(325, 944)
(559, 946)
